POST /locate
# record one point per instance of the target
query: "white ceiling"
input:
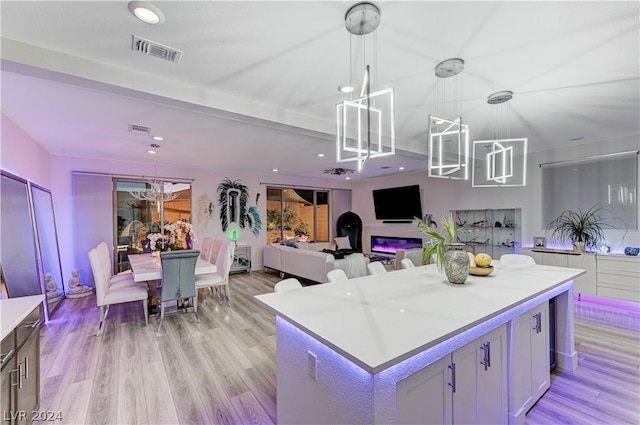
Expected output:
(256, 87)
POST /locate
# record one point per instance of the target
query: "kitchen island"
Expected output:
(407, 346)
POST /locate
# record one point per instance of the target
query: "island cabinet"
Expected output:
(20, 357)
(464, 387)
(532, 376)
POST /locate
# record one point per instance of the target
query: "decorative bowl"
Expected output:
(631, 250)
(480, 271)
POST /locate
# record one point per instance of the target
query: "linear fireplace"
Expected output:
(390, 244)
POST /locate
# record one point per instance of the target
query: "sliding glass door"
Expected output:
(300, 214)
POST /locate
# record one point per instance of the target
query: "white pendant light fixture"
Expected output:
(449, 137)
(155, 191)
(366, 124)
(501, 161)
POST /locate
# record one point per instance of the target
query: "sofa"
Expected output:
(310, 264)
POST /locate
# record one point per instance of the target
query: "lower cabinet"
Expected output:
(531, 359)
(464, 387)
(585, 284)
(20, 382)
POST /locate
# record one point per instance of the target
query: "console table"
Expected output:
(385, 348)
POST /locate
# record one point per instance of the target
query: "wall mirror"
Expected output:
(18, 255)
(47, 242)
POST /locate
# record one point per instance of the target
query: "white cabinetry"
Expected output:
(466, 386)
(532, 375)
(585, 284)
(619, 277)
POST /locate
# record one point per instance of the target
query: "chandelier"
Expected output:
(155, 188)
(365, 125)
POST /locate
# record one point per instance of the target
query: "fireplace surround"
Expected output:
(390, 244)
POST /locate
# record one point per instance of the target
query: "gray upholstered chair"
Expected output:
(336, 275)
(178, 278)
(224, 260)
(287, 285)
(376, 267)
(107, 294)
(406, 263)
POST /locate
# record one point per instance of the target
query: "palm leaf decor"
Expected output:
(234, 197)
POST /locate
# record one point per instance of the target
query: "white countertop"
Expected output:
(377, 321)
(14, 310)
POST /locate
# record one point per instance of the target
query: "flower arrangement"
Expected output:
(178, 235)
(180, 231)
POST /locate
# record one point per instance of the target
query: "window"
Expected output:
(134, 218)
(301, 214)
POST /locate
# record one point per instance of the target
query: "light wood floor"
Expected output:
(223, 370)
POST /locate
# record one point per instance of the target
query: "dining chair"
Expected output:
(205, 248)
(406, 263)
(178, 279)
(220, 278)
(215, 249)
(337, 275)
(287, 285)
(376, 267)
(107, 294)
(516, 261)
(121, 279)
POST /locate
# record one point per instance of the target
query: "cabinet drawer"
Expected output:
(30, 324)
(621, 294)
(622, 265)
(619, 281)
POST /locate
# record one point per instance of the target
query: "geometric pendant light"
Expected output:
(448, 137)
(365, 126)
(501, 161)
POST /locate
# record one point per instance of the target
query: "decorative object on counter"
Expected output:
(449, 255)
(481, 265)
(584, 229)
(631, 251)
(52, 288)
(480, 271)
(604, 249)
(77, 289)
(539, 242)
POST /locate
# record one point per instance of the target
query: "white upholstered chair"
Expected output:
(287, 285)
(215, 248)
(223, 263)
(516, 261)
(337, 275)
(121, 279)
(205, 248)
(376, 267)
(406, 263)
(108, 294)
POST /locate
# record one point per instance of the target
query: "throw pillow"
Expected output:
(291, 242)
(343, 243)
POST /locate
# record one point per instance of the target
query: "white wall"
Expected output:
(22, 156)
(440, 195)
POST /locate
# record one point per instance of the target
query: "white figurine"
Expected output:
(76, 289)
(52, 288)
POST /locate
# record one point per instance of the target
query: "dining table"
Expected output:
(148, 267)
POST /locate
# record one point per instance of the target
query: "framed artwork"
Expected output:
(538, 241)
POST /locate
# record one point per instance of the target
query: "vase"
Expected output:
(189, 242)
(456, 263)
(578, 247)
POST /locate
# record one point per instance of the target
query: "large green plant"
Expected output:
(437, 245)
(582, 227)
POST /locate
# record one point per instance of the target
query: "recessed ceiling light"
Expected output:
(343, 88)
(321, 155)
(347, 178)
(153, 148)
(275, 170)
(158, 138)
(401, 168)
(146, 12)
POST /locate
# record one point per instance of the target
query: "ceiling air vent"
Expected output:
(139, 129)
(152, 48)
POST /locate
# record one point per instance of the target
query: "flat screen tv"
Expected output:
(397, 203)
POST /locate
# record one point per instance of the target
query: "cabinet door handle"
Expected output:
(488, 353)
(20, 373)
(539, 322)
(26, 367)
(452, 384)
(4, 357)
(15, 384)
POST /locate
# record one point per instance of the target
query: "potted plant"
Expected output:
(447, 252)
(585, 229)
